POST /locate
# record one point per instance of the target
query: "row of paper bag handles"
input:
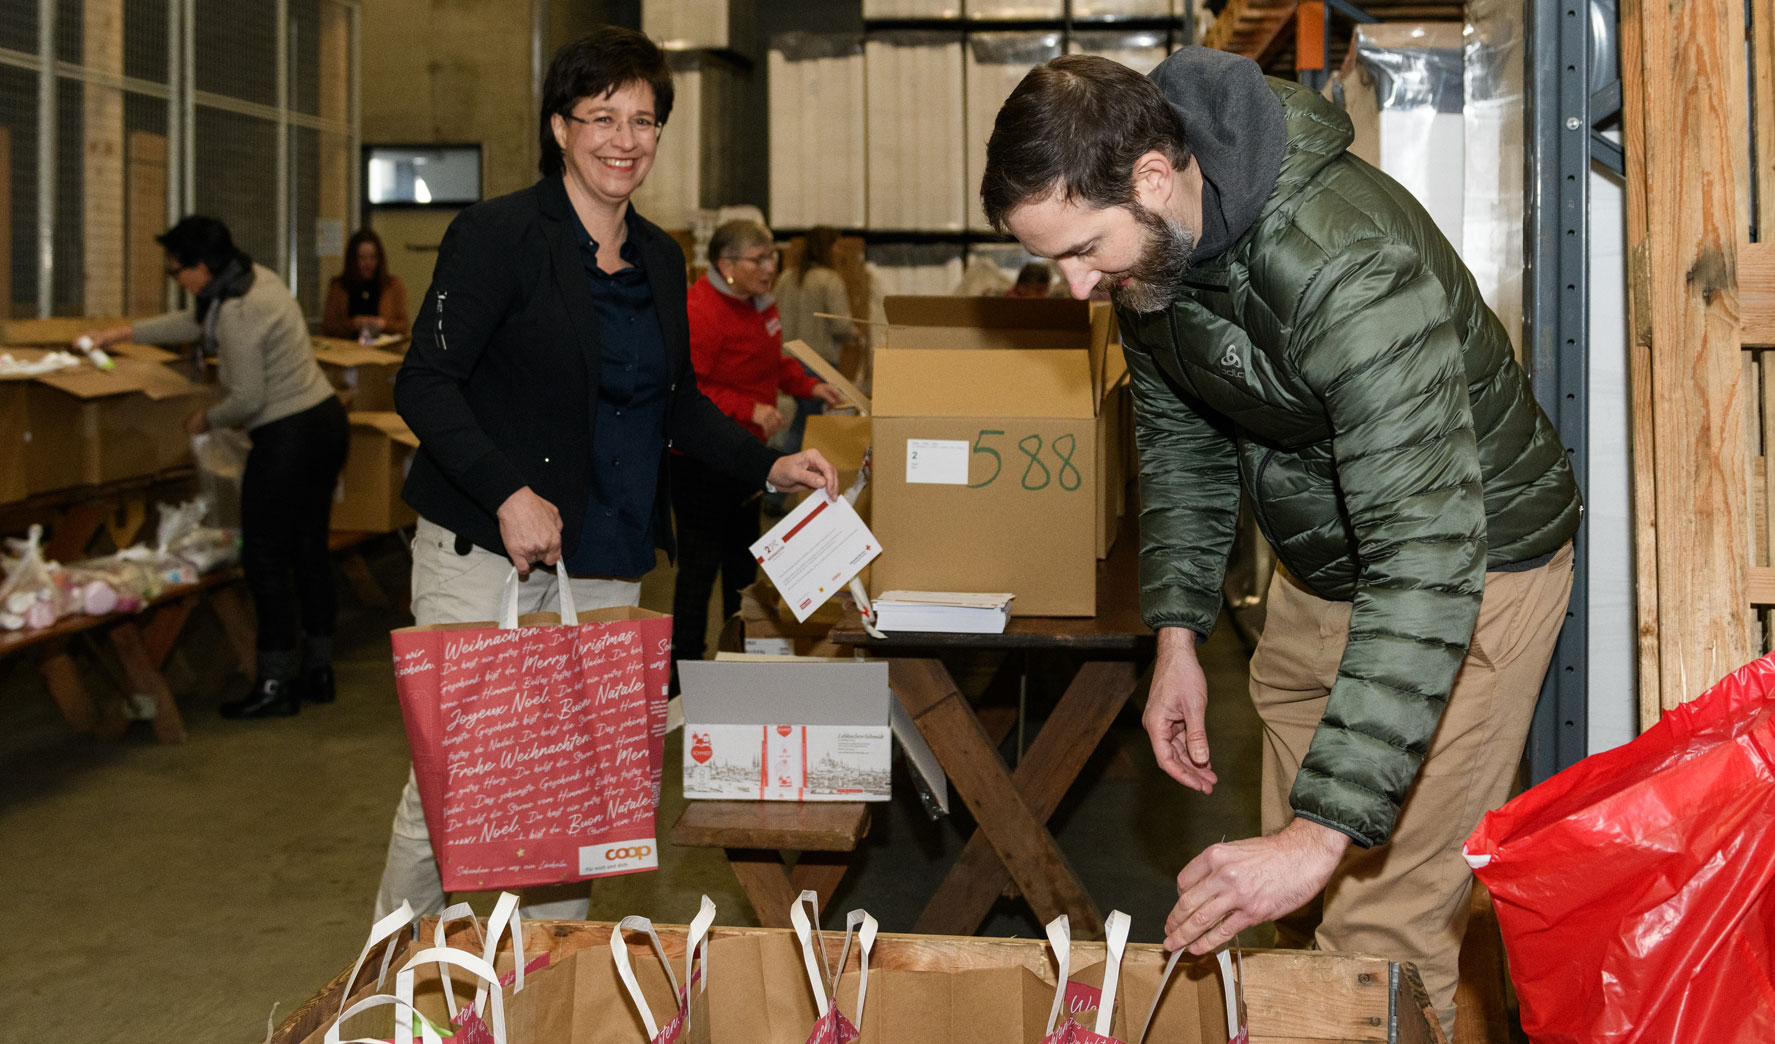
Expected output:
(484, 1016)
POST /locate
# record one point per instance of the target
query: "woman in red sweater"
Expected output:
(736, 346)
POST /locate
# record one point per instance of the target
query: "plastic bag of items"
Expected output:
(30, 597)
(183, 535)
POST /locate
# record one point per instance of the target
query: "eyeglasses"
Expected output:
(643, 126)
(172, 271)
(768, 257)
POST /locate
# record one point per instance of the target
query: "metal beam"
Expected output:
(46, 144)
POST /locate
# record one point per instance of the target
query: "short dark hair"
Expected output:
(1077, 124)
(607, 60)
(199, 240)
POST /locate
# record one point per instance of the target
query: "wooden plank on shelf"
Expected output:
(102, 161)
(1683, 86)
(1762, 102)
(1252, 28)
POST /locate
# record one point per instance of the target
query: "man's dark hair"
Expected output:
(199, 240)
(1076, 125)
(607, 60)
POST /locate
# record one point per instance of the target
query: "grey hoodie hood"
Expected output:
(1233, 123)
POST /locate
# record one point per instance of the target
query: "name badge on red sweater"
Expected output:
(773, 326)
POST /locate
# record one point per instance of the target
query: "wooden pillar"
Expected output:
(102, 225)
(1683, 85)
(334, 74)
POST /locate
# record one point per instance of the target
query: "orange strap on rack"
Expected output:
(1309, 36)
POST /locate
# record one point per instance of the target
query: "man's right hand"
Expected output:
(531, 529)
(768, 417)
(1176, 711)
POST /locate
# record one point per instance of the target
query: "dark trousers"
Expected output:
(285, 497)
(717, 524)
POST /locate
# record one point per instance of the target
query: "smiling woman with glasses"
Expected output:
(549, 369)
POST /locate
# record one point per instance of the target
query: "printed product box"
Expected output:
(368, 498)
(996, 430)
(786, 731)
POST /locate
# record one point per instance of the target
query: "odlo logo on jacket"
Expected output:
(1231, 364)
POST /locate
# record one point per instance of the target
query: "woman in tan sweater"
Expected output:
(365, 298)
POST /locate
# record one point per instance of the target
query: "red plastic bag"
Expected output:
(1636, 890)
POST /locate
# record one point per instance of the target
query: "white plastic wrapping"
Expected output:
(685, 25)
(1140, 51)
(917, 177)
(817, 152)
(997, 63)
(701, 159)
(1492, 220)
(1406, 102)
(911, 8)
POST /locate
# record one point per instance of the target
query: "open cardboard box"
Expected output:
(85, 426)
(368, 497)
(782, 730)
(363, 376)
(998, 430)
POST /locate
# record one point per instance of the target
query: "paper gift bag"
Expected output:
(832, 1027)
(975, 1005)
(770, 989)
(689, 1003)
(1089, 999)
(532, 745)
(1085, 1008)
(408, 1021)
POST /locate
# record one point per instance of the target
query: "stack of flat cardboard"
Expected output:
(817, 153)
(687, 25)
(997, 63)
(903, 269)
(1126, 8)
(917, 177)
(911, 8)
(1016, 8)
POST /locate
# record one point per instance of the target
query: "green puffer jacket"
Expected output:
(1338, 361)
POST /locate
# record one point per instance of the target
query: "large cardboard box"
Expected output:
(788, 731)
(368, 498)
(993, 448)
(87, 426)
(57, 333)
(362, 375)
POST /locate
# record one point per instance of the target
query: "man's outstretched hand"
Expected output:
(1234, 885)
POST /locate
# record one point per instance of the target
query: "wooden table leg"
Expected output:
(821, 872)
(63, 678)
(169, 726)
(237, 625)
(163, 627)
(766, 883)
(1016, 834)
(72, 532)
(357, 574)
(1068, 739)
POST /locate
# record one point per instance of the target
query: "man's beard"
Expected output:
(1156, 278)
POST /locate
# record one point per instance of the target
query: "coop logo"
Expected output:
(620, 858)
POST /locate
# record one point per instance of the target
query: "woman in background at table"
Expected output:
(244, 316)
(365, 300)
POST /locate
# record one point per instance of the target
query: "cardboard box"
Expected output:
(58, 333)
(368, 498)
(87, 426)
(992, 448)
(765, 626)
(809, 731)
(363, 376)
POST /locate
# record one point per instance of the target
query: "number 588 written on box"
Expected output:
(1030, 461)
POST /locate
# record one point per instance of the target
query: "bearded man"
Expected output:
(1295, 325)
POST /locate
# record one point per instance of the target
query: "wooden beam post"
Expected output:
(1683, 85)
(102, 228)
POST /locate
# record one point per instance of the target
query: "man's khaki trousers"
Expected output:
(1407, 900)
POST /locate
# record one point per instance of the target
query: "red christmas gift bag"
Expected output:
(533, 744)
(1636, 889)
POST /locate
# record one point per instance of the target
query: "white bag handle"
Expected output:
(1060, 939)
(1233, 988)
(855, 920)
(508, 616)
(405, 1015)
(696, 942)
(619, 953)
(504, 917)
(816, 970)
(495, 1018)
(1115, 935)
(380, 932)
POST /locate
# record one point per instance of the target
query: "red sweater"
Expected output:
(738, 354)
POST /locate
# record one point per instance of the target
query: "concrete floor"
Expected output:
(176, 893)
